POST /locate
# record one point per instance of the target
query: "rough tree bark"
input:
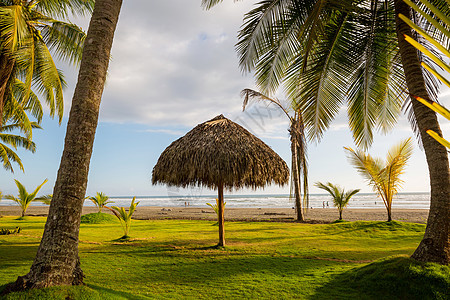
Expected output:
(57, 261)
(435, 246)
(296, 177)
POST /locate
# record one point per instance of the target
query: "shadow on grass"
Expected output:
(392, 278)
(113, 294)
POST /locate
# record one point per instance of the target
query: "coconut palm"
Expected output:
(340, 197)
(354, 52)
(28, 35)
(384, 177)
(57, 261)
(100, 200)
(24, 198)
(125, 217)
(298, 149)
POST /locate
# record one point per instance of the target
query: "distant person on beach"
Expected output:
(328, 206)
(323, 204)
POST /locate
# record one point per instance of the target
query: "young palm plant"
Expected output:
(340, 197)
(384, 177)
(215, 207)
(125, 217)
(100, 200)
(24, 199)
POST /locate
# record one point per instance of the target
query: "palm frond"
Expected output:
(65, 39)
(62, 8)
(34, 193)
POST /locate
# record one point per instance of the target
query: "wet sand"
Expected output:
(316, 215)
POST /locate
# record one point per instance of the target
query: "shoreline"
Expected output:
(316, 215)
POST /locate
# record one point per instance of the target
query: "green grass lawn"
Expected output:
(174, 259)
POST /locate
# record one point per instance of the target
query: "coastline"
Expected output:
(316, 215)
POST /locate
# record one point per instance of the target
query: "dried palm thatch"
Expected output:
(220, 151)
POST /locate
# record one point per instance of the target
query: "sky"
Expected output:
(172, 69)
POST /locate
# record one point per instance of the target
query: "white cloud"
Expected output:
(174, 66)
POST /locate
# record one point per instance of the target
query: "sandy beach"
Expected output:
(317, 215)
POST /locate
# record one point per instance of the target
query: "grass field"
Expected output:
(174, 259)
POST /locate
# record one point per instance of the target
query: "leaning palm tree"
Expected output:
(340, 197)
(29, 33)
(57, 261)
(24, 198)
(384, 177)
(353, 52)
(298, 149)
(100, 200)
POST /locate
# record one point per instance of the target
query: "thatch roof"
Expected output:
(216, 151)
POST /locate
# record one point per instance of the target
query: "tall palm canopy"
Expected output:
(220, 153)
(28, 35)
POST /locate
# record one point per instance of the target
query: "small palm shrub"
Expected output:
(125, 217)
(215, 207)
(383, 176)
(24, 199)
(100, 200)
(340, 197)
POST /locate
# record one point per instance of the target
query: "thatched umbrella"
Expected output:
(220, 154)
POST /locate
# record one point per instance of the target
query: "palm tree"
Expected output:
(298, 149)
(340, 197)
(28, 34)
(24, 199)
(354, 51)
(100, 200)
(384, 177)
(57, 261)
(435, 245)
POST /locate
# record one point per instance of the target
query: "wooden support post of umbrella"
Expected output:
(220, 154)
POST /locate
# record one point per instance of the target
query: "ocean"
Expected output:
(360, 200)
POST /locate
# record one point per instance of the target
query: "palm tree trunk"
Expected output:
(57, 261)
(220, 216)
(6, 68)
(296, 178)
(340, 214)
(389, 215)
(435, 246)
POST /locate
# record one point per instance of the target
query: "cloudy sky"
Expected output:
(174, 66)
